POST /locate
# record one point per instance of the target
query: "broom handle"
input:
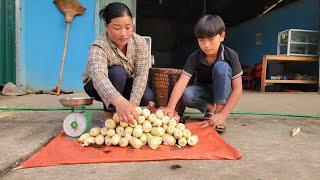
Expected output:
(63, 58)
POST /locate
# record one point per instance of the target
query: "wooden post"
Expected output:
(263, 73)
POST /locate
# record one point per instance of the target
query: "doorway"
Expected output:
(170, 25)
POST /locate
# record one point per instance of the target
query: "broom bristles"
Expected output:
(70, 8)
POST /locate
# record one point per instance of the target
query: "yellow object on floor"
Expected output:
(295, 131)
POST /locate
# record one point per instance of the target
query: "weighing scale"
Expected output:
(79, 120)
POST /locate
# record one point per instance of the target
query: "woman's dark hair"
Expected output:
(114, 10)
(209, 26)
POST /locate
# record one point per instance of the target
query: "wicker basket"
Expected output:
(162, 81)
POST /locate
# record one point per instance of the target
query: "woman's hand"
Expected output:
(169, 112)
(126, 110)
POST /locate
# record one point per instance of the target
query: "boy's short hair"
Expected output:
(209, 26)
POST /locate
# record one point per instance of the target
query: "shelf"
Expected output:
(286, 58)
(303, 43)
(311, 55)
(298, 43)
(291, 81)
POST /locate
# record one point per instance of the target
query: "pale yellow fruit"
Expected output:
(152, 142)
(159, 114)
(124, 124)
(115, 139)
(111, 132)
(128, 136)
(120, 131)
(157, 123)
(141, 119)
(182, 141)
(146, 113)
(134, 124)
(128, 130)
(168, 140)
(110, 124)
(186, 133)
(95, 131)
(170, 130)
(152, 118)
(115, 117)
(139, 110)
(165, 127)
(108, 141)
(123, 142)
(99, 139)
(104, 131)
(165, 120)
(137, 131)
(193, 140)
(84, 136)
(172, 122)
(177, 134)
(143, 139)
(135, 143)
(88, 141)
(157, 131)
(180, 126)
(158, 139)
(147, 127)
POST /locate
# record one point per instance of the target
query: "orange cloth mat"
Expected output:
(63, 150)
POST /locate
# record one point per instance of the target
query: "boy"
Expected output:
(218, 73)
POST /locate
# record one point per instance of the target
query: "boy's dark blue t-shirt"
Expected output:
(196, 64)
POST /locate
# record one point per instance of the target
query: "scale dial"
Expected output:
(74, 124)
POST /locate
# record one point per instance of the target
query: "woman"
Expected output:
(118, 65)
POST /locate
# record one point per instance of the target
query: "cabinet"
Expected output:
(284, 59)
(298, 42)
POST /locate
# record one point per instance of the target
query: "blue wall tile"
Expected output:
(44, 34)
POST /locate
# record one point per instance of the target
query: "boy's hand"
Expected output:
(214, 120)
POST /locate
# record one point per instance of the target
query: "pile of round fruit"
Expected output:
(150, 128)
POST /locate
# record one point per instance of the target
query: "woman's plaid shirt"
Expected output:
(104, 54)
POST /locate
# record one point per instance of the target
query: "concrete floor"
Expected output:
(269, 152)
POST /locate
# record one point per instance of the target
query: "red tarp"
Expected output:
(63, 150)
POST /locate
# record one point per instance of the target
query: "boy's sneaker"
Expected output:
(183, 119)
(208, 115)
(221, 128)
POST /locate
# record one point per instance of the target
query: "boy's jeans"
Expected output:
(199, 95)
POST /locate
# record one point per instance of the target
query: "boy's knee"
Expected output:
(221, 68)
(187, 96)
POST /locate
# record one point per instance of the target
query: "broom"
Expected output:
(70, 8)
